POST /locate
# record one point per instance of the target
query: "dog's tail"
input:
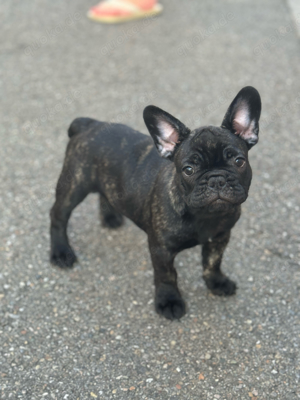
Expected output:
(79, 125)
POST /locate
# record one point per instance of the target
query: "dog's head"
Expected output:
(212, 168)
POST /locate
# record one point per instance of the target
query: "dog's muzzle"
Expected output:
(219, 189)
(216, 182)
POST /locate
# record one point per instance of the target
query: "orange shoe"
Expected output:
(114, 11)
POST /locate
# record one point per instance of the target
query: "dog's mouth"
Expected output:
(220, 204)
(218, 201)
(222, 200)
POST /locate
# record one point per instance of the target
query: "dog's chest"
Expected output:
(205, 229)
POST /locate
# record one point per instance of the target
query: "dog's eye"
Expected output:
(188, 170)
(240, 162)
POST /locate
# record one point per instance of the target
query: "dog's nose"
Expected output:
(217, 182)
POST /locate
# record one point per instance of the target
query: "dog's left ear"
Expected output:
(243, 115)
(166, 131)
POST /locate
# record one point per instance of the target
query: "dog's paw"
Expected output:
(168, 302)
(63, 257)
(220, 285)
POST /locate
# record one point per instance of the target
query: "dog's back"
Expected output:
(80, 125)
(101, 156)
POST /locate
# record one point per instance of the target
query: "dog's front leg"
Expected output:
(168, 301)
(212, 253)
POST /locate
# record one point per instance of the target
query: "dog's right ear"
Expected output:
(166, 131)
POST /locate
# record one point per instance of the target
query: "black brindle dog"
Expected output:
(185, 189)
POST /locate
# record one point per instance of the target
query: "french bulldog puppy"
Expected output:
(183, 190)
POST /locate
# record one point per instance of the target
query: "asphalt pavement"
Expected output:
(92, 332)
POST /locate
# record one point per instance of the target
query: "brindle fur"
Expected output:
(134, 181)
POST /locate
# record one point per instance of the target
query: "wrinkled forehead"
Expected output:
(213, 138)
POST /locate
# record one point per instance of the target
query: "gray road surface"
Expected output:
(92, 333)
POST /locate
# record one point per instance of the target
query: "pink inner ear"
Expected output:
(168, 134)
(242, 124)
(241, 121)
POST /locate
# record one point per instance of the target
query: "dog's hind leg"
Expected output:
(71, 190)
(110, 218)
